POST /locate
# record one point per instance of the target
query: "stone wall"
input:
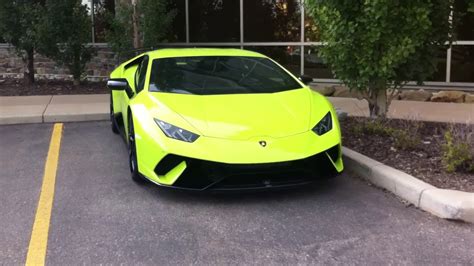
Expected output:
(422, 95)
(98, 68)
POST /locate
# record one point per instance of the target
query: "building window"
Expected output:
(462, 63)
(464, 15)
(214, 20)
(272, 20)
(178, 33)
(314, 65)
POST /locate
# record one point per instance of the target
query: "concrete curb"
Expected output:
(444, 203)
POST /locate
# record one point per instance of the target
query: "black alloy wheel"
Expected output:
(132, 152)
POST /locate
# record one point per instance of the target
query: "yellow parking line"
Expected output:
(39, 235)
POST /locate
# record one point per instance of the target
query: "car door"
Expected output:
(137, 84)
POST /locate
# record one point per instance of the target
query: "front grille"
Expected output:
(200, 174)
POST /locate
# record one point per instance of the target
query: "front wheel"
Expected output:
(132, 152)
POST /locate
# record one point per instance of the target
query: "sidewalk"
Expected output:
(58, 108)
(424, 111)
(69, 108)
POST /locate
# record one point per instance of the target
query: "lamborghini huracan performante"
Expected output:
(222, 119)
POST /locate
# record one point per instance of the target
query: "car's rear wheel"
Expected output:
(132, 152)
(113, 122)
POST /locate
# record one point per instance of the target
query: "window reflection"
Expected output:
(102, 10)
(287, 56)
(178, 32)
(440, 61)
(271, 20)
(314, 65)
(214, 20)
(311, 31)
(464, 13)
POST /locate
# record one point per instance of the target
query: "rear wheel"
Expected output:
(132, 152)
(113, 122)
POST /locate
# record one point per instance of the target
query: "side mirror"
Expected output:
(305, 79)
(117, 84)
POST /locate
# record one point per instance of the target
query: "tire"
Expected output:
(132, 152)
(113, 122)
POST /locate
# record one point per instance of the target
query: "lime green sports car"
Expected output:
(222, 119)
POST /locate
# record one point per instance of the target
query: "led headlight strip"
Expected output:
(323, 126)
(175, 132)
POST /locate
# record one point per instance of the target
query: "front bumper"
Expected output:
(208, 175)
(215, 163)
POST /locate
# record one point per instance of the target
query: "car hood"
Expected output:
(243, 116)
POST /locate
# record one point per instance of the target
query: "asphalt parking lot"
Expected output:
(100, 216)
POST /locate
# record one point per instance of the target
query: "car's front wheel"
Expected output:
(132, 152)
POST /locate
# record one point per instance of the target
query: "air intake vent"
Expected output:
(167, 164)
(333, 153)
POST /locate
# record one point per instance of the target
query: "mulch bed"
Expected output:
(423, 162)
(15, 87)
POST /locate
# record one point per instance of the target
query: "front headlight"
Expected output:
(175, 132)
(324, 125)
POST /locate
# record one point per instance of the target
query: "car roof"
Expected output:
(185, 52)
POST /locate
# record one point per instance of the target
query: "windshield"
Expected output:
(207, 75)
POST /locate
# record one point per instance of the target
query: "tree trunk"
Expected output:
(378, 103)
(75, 68)
(29, 73)
(136, 34)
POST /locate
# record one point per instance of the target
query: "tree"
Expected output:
(155, 21)
(120, 33)
(18, 20)
(64, 33)
(101, 23)
(144, 23)
(377, 45)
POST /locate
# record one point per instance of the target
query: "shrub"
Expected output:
(407, 135)
(373, 127)
(458, 149)
(405, 140)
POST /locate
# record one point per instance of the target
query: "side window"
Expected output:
(141, 75)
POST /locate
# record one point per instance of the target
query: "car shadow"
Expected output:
(316, 189)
